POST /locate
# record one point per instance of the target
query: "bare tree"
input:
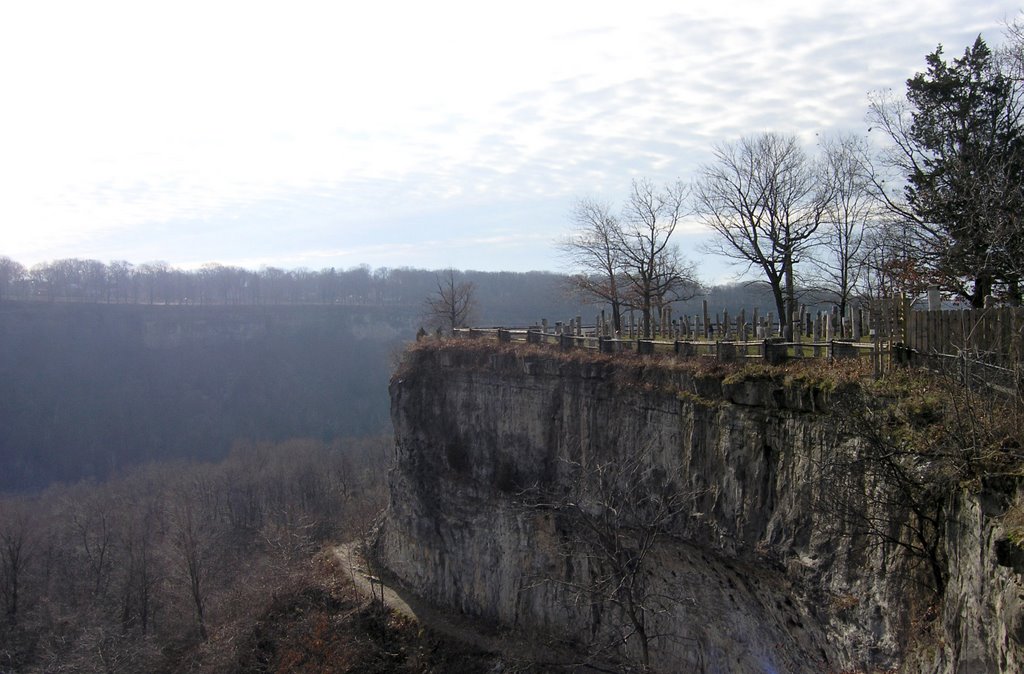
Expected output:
(139, 567)
(11, 273)
(119, 279)
(615, 514)
(850, 210)
(593, 250)
(192, 548)
(651, 263)
(763, 198)
(92, 521)
(913, 441)
(16, 542)
(154, 279)
(891, 262)
(454, 302)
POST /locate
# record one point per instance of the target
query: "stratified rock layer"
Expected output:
(760, 580)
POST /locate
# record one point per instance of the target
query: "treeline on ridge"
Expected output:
(502, 298)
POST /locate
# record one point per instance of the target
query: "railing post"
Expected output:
(725, 352)
(774, 352)
(685, 349)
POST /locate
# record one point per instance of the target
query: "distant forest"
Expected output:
(502, 298)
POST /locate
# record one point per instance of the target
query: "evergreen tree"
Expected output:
(963, 148)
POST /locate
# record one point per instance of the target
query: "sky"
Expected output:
(424, 134)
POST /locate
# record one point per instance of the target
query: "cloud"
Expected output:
(256, 132)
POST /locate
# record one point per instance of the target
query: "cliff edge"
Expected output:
(506, 454)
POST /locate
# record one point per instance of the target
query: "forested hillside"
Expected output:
(200, 567)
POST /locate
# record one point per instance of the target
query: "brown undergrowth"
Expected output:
(326, 627)
(629, 366)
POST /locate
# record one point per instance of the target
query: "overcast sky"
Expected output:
(426, 134)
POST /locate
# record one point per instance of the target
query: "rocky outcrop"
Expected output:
(760, 578)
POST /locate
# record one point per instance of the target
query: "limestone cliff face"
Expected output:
(760, 580)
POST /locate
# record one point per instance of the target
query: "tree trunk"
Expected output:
(982, 288)
(647, 316)
(780, 302)
(787, 331)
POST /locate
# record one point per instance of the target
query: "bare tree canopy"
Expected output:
(592, 249)
(632, 261)
(615, 513)
(651, 263)
(10, 271)
(851, 215)
(763, 198)
(452, 305)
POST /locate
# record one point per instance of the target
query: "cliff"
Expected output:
(753, 576)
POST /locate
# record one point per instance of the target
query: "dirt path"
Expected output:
(512, 648)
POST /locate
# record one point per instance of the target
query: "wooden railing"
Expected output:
(986, 345)
(773, 350)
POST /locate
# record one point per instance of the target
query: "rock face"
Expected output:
(759, 579)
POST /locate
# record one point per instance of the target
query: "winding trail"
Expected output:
(510, 646)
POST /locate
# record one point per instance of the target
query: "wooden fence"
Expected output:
(982, 345)
(881, 318)
(863, 332)
(993, 336)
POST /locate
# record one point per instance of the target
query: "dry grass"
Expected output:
(326, 627)
(480, 353)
